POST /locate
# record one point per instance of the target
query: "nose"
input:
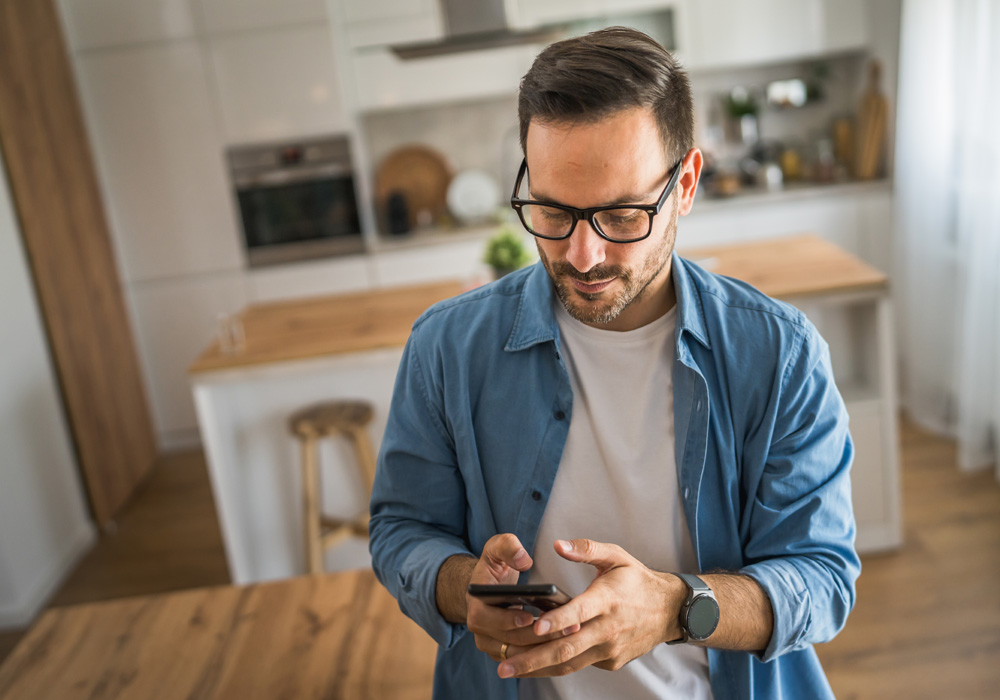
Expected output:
(586, 248)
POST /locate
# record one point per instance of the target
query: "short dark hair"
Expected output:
(591, 77)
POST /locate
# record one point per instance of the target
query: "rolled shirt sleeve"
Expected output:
(801, 545)
(418, 500)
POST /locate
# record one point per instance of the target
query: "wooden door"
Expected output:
(65, 233)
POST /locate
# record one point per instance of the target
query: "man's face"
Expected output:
(615, 286)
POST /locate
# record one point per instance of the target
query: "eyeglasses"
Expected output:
(618, 223)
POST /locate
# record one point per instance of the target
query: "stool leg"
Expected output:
(310, 506)
(366, 462)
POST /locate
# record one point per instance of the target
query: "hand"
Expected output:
(503, 558)
(627, 610)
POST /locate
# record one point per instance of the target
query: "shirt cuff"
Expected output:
(790, 604)
(418, 589)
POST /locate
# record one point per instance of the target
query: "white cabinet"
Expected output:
(388, 22)
(535, 13)
(278, 84)
(174, 321)
(91, 24)
(221, 16)
(762, 31)
(150, 120)
(859, 330)
(461, 260)
(384, 81)
(352, 273)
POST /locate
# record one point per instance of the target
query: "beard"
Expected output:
(635, 281)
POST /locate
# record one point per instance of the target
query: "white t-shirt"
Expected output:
(617, 482)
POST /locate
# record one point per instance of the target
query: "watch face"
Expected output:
(702, 617)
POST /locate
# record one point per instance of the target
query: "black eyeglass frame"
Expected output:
(651, 209)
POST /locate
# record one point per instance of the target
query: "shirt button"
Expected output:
(697, 406)
(536, 495)
(687, 492)
(559, 415)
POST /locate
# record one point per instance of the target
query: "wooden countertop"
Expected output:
(321, 326)
(792, 267)
(331, 636)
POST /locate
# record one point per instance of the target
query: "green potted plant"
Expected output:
(506, 252)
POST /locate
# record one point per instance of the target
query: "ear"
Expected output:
(687, 185)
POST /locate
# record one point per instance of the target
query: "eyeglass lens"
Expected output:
(620, 224)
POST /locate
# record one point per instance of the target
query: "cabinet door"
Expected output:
(310, 279)
(757, 31)
(237, 15)
(161, 162)
(845, 25)
(534, 13)
(91, 24)
(383, 80)
(277, 84)
(174, 321)
(387, 22)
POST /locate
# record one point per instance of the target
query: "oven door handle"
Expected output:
(291, 176)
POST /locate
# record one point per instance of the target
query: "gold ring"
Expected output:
(503, 651)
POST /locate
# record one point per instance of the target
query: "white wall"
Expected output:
(44, 524)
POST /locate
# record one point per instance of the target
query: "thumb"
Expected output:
(602, 555)
(506, 550)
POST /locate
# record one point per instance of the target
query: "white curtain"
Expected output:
(947, 221)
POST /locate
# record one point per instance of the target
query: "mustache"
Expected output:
(594, 274)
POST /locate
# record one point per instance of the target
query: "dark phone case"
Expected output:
(543, 596)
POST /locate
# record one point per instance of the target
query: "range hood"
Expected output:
(472, 25)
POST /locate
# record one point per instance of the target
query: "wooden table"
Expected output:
(334, 636)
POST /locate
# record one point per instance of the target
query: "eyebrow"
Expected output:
(627, 199)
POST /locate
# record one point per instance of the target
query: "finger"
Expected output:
(494, 620)
(505, 550)
(527, 637)
(591, 657)
(558, 657)
(494, 648)
(587, 606)
(508, 625)
(602, 555)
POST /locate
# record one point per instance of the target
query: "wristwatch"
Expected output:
(700, 612)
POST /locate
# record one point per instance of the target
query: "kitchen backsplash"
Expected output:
(479, 134)
(483, 134)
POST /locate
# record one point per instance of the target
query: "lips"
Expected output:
(592, 288)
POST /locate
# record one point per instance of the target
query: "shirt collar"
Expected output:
(535, 321)
(690, 312)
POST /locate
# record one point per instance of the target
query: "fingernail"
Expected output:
(566, 544)
(521, 558)
(523, 620)
(506, 670)
(543, 627)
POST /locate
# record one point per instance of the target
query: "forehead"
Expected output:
(590, 163)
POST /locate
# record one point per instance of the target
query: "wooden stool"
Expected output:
(310, 425)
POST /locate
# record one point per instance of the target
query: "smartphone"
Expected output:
(537, 596)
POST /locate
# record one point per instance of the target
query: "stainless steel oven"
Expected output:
(296, 200)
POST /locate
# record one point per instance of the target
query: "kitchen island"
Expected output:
(349, 346)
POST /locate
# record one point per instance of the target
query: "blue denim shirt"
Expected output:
(479, 419)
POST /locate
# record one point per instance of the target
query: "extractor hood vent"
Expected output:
(473, 25)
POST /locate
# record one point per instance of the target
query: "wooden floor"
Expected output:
(926, 624)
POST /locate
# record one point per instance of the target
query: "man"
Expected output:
(611, 416)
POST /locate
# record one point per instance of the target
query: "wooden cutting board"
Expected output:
(871, 127)
(422, 176)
